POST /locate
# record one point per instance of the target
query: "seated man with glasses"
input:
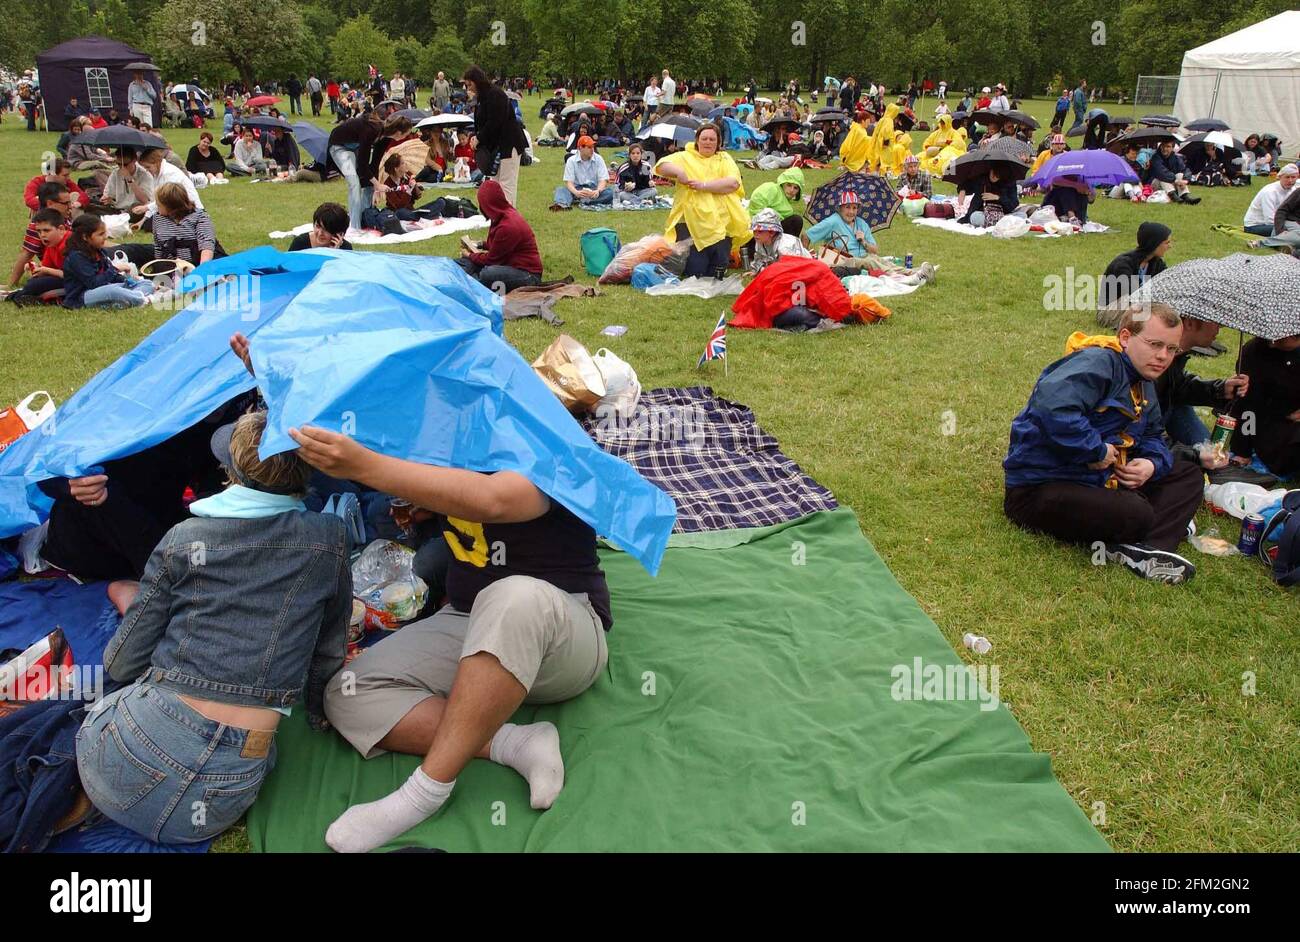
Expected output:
(1088, 463)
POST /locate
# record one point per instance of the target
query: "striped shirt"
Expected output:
(183, 238)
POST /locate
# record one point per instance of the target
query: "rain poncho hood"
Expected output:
(710, 217)
(492, 201)
(883, 139)
(403, 353)
(857, 148)
(771, 195)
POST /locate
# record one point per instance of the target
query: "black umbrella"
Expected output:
(829, 114)
(904, 122)
(1255, 294)
(1229, 146)
(458, 95)
(773, 124)
(121, 135)
(635, 98)
(265, 121)
(1160, 121)
(1143, 137)
(977, 163)
(989, 117)
(141, 67)
(702, 106)
(1119, 122)
(1207, 124)
(582, 107)
(685, 120)
(413, 114)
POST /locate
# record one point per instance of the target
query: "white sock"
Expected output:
(534, 752)
(362, 828)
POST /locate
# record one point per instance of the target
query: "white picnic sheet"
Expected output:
(952, 225)
(699, 287)
(876, 287)
(418, 231)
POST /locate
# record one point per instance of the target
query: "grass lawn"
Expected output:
(1134, 689)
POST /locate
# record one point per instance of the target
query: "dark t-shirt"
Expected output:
(557, 548)
(303, 241)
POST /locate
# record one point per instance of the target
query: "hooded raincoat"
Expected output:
(771, 195)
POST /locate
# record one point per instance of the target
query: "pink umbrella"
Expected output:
(261, 101)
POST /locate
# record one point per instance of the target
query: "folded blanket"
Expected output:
(661, 202)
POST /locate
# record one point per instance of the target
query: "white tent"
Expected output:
(1250, 79)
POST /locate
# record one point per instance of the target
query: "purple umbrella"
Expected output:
(1094, 167)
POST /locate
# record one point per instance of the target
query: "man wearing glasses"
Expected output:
(50, 195)
(1088, 463)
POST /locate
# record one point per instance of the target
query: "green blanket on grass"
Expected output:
(754, 701)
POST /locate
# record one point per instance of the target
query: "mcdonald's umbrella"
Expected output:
(1160, 121)
(1255, 294)
(140, 67)
(412, 114)
(580, 107)
(1207, 124)
(999, 117)
(1094, 167)
(977, 163)
(1143, 137)
(121, 135)
(261, 101)
(1226, 143)
(266, 121)
(445, 120)
(311, 139)
(877, 201)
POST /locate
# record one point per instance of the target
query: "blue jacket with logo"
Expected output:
(1080, 404)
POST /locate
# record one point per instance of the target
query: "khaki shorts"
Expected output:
(552, 641)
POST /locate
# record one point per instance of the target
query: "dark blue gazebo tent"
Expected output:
(91, 69)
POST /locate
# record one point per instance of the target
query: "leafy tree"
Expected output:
(444, 53)
(359, 44)
(254, 38)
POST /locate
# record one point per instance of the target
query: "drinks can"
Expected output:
(1224, 426)
(908, 263)
(1252, 529)
(400, 510)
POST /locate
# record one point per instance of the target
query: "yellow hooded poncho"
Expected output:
(883, 139)
(939, 138)
(710, 217)
(856, 151)
(898, 152)
(938, 165)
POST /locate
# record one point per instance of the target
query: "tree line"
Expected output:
(1025, 43)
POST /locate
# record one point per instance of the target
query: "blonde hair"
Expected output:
(173, 198)
(1137, 316)
(285, 472)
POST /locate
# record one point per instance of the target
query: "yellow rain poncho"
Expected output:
(857, 149)
(939, 165)
(939, 138)
(710, 217)
(883, 139)
(898, 152)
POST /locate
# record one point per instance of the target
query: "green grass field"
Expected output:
(1134, 689)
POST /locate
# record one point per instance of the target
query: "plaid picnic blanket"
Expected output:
(659, 202)
(710, 455)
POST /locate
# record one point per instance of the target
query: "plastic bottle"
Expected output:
(977, 643)
(1240, 499)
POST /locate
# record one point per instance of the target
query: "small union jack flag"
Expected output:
(716, 348)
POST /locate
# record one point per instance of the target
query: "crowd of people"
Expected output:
(1107, 450)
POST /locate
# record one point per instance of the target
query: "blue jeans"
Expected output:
(359, 197)
(153, 764)
(130, 293)
(635, 196)
(564, 198)
(1185, 426)
(1263, 229)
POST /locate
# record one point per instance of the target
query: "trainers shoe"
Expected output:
(927, 272)
(1156, 565)
(1204, 351)
(1191, 200)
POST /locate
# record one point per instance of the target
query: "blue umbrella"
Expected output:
(337, 339)
(311, 139)
(1094, 167)
(265, 121)
(877, 201)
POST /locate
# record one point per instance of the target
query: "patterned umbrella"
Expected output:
(1010, 148)
(1255, 294)
(1160, 121)
(877, 201)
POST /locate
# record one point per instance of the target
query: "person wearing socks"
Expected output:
(1129, 270)
(526, 625)
(510, 259)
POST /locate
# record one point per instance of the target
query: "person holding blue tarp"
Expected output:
(526, 622)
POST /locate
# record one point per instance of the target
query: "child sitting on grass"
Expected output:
(91, 277)
(47, 275)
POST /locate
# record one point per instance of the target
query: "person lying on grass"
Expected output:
(529, 609)
(242, 612)
(1087, 462)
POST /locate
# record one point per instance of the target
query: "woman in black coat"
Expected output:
(501, 140)
(1128, 271)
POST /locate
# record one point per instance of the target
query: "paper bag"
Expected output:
(571, 373)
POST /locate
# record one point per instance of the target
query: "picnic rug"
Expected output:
(749, 704)
(28, 612)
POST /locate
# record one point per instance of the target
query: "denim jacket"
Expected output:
(242, 611)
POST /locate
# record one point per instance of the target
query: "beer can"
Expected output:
(908, 263)
(1224, 426)
(1252, 528)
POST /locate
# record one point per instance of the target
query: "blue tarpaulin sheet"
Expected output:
(403, 353)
